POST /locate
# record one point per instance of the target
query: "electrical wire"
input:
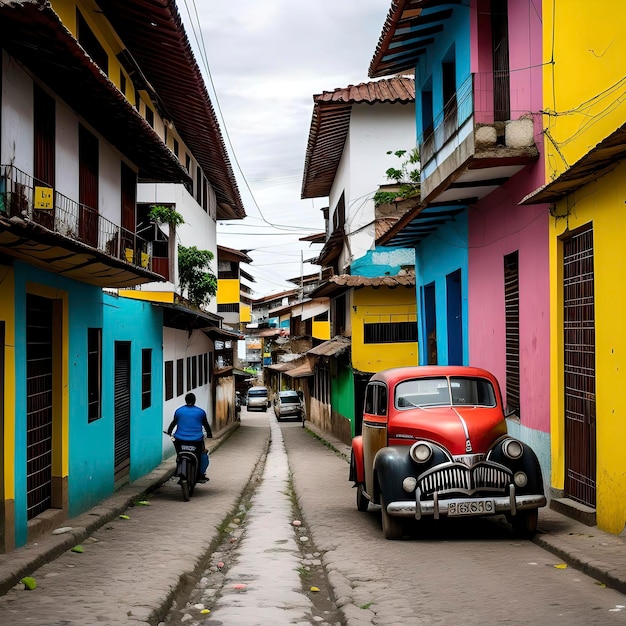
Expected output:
(203, 54)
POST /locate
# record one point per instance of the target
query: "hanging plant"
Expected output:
(195, 275)
(165, 215)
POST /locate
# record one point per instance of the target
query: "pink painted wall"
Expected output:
(498, 226)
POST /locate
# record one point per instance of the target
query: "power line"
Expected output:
(203, 55)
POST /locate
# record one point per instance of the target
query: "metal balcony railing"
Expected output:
(447, 123)
(489, 97)
(23, 196)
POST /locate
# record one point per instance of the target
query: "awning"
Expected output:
(221, 333)
(280, 367)
(300, 371)
(332, 347)
(600, 160)
(185, 318)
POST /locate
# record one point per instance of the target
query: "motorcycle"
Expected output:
(186, 465)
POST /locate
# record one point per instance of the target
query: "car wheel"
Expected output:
(393, 527)
(525, 523)
(362, 503)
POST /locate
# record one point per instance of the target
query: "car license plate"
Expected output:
(467, 507)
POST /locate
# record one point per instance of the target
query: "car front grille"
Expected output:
(457, 478)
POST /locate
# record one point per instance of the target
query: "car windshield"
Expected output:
(443, 391)
(290, 399)
(255, 393)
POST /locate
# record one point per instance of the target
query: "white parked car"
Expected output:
(288, 404)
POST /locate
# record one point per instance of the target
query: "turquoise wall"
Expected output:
(84, 303)
(440, 254)
(428, 73)
(91, 446)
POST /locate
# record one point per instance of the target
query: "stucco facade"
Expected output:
(580, 115)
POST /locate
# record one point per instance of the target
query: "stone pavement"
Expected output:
(116, 560)
(594, 552)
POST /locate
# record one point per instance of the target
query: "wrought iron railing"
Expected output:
(23, 196)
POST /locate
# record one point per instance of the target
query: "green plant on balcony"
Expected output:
(195, 275)
(165, 215)
(162, 214)
(406, 178)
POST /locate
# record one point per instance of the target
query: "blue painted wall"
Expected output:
(91, 446)
(440, 254)
(382, 262)
(428, 73)
(84, 304)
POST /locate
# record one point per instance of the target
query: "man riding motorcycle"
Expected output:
(189, 420)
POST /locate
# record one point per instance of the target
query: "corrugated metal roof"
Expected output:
(300, 371)
(410, 27)
(332, 347)
(330, 123)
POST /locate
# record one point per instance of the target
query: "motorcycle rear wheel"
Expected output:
(184, 485)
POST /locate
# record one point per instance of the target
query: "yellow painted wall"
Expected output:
(245, 313)
(321, 330)
(151, 296)
(584, 89)
(584, 83)
(7, 313)
(376, 306)
(228, 291)
(602, 204)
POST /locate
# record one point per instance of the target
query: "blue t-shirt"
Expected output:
(189, 421)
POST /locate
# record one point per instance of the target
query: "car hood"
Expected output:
(462, 430)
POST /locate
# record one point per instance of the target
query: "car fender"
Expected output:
(357, 470)
(391, 466)
(528, 463)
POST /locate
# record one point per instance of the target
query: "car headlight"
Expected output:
(520, 479)
(512, 448)
(421, 452)
(409, 484)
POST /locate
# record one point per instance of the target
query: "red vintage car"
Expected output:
(434, 443)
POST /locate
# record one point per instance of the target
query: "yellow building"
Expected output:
(584, 121)
(384, 329)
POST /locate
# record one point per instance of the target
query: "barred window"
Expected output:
(180, 377)
(146, 378)
(169, 380)
(228, 308)
(94, 374)
(511, 312)
(390, 332)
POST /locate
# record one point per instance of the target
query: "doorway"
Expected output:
(455, 318)
(579, 349)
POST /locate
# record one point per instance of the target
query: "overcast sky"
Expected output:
(263, 60)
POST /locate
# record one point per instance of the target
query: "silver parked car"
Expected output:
(288, 404)
(258, 399)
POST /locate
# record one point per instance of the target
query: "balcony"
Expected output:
(42, 227)
(480, 139)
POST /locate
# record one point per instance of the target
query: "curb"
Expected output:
(23, 561)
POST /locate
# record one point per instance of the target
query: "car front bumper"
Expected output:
(462, 507)
(289, 413)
